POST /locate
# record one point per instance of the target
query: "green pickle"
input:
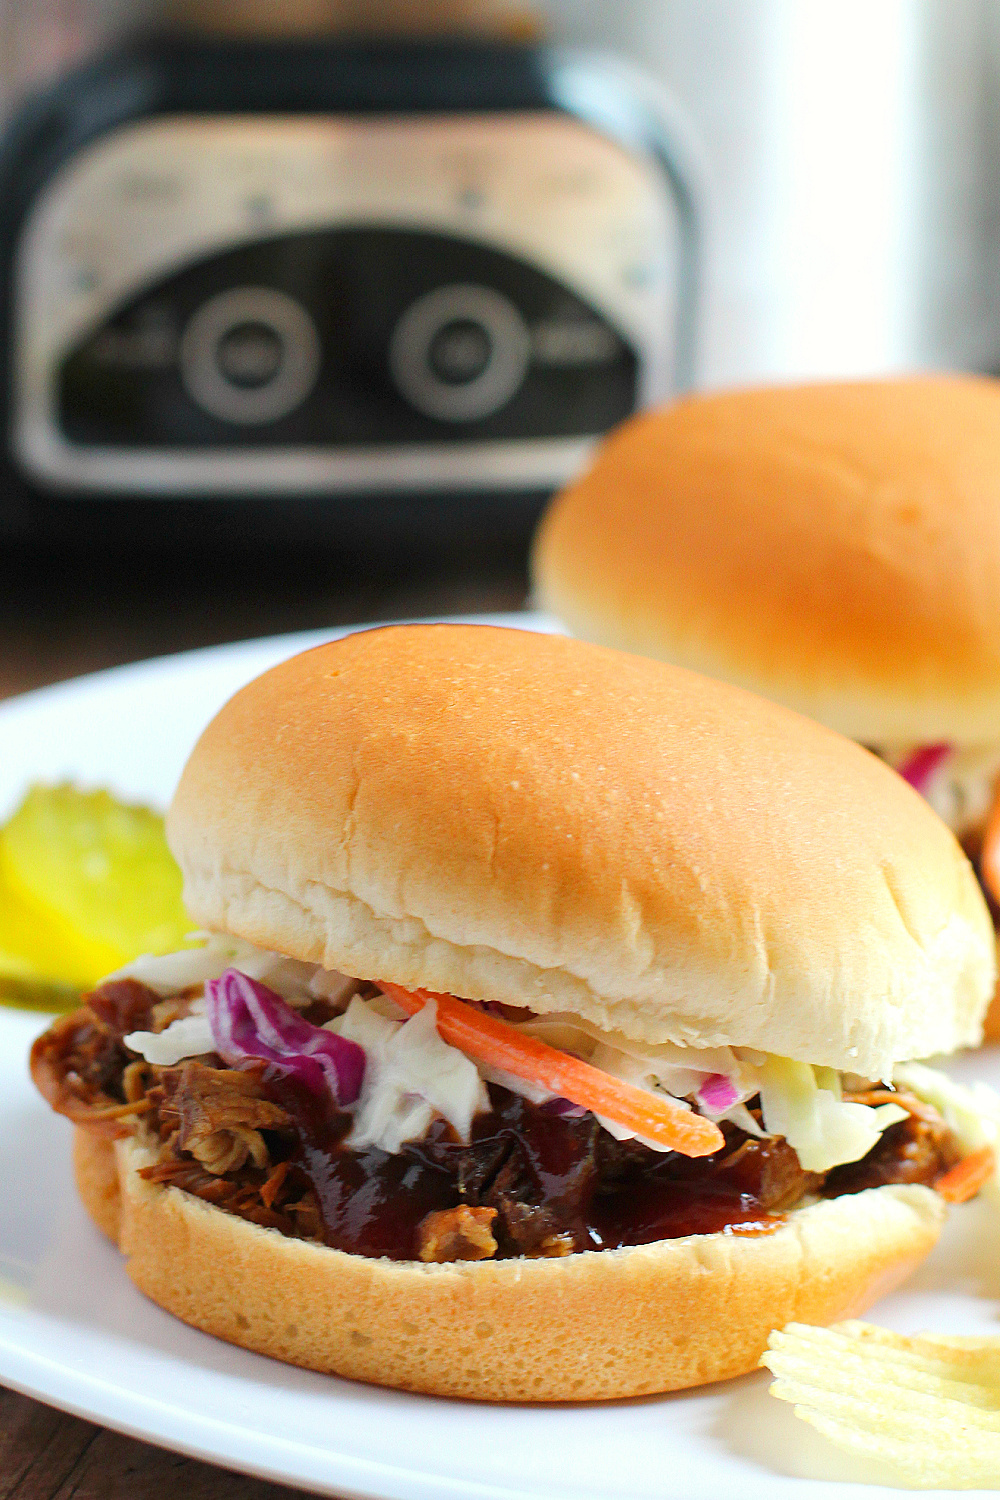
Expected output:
(87, 883)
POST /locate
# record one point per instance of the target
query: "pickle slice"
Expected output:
(88, 883)
(43, 963)
(39, 994)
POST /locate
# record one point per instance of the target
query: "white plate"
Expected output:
(75, 1332)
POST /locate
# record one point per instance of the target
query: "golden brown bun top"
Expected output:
(531, 819)
(834, 547)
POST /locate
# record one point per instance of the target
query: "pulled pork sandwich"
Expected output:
(547, 1039)
(833, 547)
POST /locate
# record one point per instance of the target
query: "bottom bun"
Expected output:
(95, 1167)
(589, 1327)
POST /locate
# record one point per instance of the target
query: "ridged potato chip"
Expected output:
(928, 1406)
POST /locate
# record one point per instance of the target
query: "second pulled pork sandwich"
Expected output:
(834, 547)
(549, 1036)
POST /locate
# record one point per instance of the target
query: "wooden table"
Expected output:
(58, 619)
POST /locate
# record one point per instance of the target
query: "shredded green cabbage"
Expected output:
(823, 1131)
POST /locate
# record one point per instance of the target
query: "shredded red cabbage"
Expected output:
(718, 1093)
(250, 1021)
(919, 767)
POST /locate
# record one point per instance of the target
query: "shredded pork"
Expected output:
(460, 1233)
(527, 1184)
(218, 1115)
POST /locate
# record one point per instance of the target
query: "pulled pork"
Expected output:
(256, 1143)
(221, 1138)
(224, 1141)
(217, 1115)
(461, 1233)
(79, 1065)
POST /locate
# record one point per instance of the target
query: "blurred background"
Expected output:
(307, 308)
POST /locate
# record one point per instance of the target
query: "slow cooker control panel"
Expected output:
(321, 304)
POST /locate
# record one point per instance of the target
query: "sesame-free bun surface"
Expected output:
(95, 1169)
(593, 1326)
(526, 818)
(833, 547)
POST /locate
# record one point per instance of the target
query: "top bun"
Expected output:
(834, 547)
(527, 818)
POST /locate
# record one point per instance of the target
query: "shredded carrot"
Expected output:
(964, 1181)
(989, 860)
(272, 1186)
(501, 1045)
(914, 1106)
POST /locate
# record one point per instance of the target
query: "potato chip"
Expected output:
(929, 1406)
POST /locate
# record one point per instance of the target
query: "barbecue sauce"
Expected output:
(546, 1175)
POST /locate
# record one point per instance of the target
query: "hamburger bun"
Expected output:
(833, 547)
(529, 819)
(525, 818)
(595, 1326)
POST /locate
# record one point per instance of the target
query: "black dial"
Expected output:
(349, 338)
